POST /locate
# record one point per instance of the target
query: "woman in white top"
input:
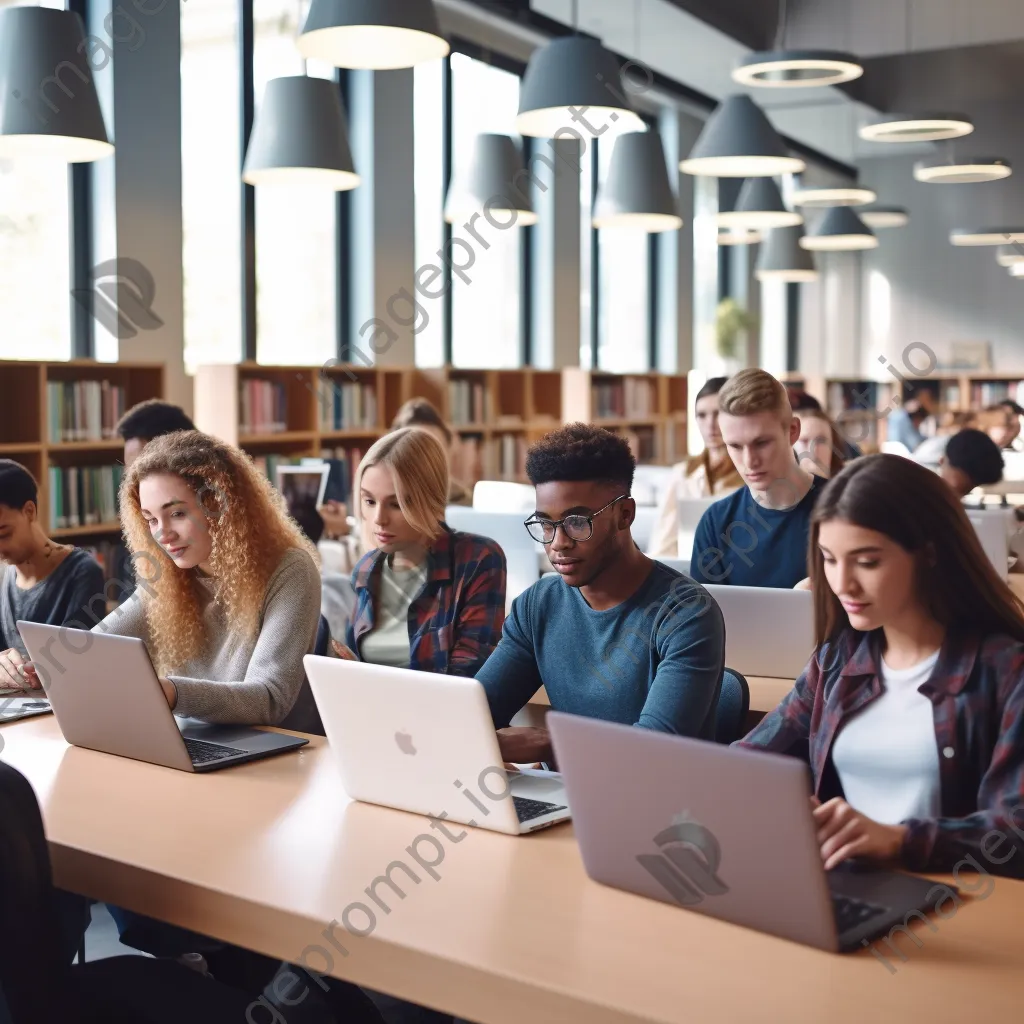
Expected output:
(911, 711)
(710, 474)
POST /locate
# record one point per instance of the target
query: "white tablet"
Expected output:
(303, 484)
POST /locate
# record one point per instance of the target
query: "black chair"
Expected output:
(733, 705)
(323, 637)
(40, 986)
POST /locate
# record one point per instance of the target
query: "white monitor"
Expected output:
(991, 528)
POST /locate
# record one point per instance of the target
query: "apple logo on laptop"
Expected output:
(405, 744)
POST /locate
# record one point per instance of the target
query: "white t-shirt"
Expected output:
(388, 642)
(887, 756)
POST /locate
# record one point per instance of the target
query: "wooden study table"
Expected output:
(267, 854)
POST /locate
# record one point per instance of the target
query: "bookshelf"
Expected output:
(58, 419)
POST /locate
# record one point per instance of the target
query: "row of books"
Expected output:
(347, 406)
(263, 406)
(499, 458)
(630, 398)
(853, 396)
(992, 392)
(468, 402)
(83, 410)
(117, 566)
(83, 495)
(643, 444)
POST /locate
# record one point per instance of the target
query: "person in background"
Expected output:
(910, 712)
(1001, 423)
(619, 637)
(428, 597)
(800, 401)
(930, 451)
(40, 580)
(709, 474)
(146, 421)
(819, 448)
(757, 537)
(418, 412)
(1017, 412)
(904, 424)
(972, 459)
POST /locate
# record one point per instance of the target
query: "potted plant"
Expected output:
(731, 321)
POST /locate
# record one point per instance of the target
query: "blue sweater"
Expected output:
(655, 660)
(741, 543)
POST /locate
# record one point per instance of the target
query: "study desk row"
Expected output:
(499, 929)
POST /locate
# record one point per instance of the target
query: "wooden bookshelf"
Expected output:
(26, 434)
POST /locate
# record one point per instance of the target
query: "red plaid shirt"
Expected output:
(455, 620)
(977, 692)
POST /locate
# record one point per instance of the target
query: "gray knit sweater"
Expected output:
(258, 681)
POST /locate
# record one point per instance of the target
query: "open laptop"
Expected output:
(106, 696)
(768, 631)
(993, 532)
(425, 742)
(722, 831)
(15, 704)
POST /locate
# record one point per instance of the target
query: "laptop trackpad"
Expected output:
(535, 784)
(238, 736)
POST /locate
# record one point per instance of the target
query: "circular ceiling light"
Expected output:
(738, 141)
(885, 217)
(921, 128)
(814, 198)
(796, 69)
(961, 171)
(1010, 255)
(637, 194)
(759, 205)
(739, 236)
(782, 258)
(840, 230)
(986, 236)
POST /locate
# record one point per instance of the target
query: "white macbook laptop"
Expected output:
(425, 742)
(768, 631)
(993, 532)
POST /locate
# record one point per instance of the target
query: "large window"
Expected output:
(296, 237)
(35, 265)
(210, 182)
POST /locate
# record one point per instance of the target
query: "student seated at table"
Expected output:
(800, 402)
(148, 420)
(40, 580)
(757, 537)
(930, 451)
(904, 424)
(619, 636)
(819, 448)
(427, 597)
(972, 459)
(706, 475)
(911, 710)
(418, 412)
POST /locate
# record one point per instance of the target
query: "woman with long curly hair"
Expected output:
(228, 597)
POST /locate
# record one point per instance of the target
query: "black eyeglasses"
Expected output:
(577, 528)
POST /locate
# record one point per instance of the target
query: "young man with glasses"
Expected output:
(619, 636)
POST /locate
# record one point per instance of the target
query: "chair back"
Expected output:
(733, 705)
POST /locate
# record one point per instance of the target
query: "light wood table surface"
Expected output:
(267, 854)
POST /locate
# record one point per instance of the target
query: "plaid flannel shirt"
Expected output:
(455, 620)
(977, 694)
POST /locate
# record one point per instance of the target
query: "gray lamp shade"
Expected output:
(885, 216)
(496, 185)
(377, 35)
(579, 73)
(783, 259)
(739, 142)
(636, 193)
(838, 231)
(38, 117)
(759, 206)
(300, 136)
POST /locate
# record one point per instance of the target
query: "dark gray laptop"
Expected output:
(106, 696)
(722, 831)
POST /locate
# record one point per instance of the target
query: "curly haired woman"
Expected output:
(229, 590)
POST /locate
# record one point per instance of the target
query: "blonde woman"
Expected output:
(428, 597)
(228, 597)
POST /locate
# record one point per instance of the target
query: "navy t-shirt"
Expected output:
(741, 543)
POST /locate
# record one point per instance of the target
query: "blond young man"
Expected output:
(757, 537)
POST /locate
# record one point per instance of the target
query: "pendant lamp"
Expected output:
(840, 230)
(795, 69)
(637, 194)
(496, 185)
(885, 217)
(819, 198)
(759, 205)
(917, 128)
(782, 258)
(968, 170)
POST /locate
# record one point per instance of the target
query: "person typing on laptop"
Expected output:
(619, 636)
(911, 710)
(757, 537)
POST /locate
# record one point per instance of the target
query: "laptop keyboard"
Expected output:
(527, 810)
(851, 913)
(202, 752)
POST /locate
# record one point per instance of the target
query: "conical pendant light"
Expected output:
(496, 184)
(48, 102)
(739, 236)
(758, 206)
(739, 142)
(1010, 255)
(636, 193)
(840, 230)
(820, 198)
(964, 170)
(300, 136)
(377, 35)
(885, 217)
(574, 84)
(783, 259)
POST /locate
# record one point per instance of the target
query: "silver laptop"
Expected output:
(721, 831)
(106, 696)
(768, 631)
(425, 742)
(993, 532)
